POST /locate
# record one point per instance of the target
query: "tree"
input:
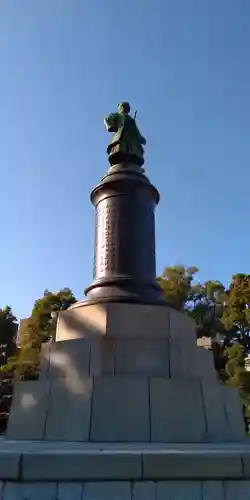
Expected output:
(8, 334)
(25, 363)
(206, 304)
(236, 314)
(176, 283)
(39, 328)
(237, 376)
(203, 302)
(47, 307)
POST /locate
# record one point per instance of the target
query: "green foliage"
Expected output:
(236, 313)
(205, 305)
(237, 375)
(203, 302)
(25, 363)
(216, 311)
(39, 328)
(8, 333)
(54, 301)
(176, 284)
(47, 307)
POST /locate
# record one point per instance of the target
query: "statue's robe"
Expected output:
(127, 138)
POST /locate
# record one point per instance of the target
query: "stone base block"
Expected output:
(129, 373)
(124, 321)
(106, 356)
(187, 360)
(177, 412)
(120, 411)
(127, 357)
(29, 410)
(69, 406)
(123, 339)
(125, 409)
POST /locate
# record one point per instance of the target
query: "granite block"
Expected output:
(69, 359)
(213, 490)
(120, 410)
(205, 368)
(44, 360)
(29, 409)
(82, 321)
(9, 464)
(179, 490)
(186, 465)
(246, 463)
(68, 416)
(102, 357)
(145, 357)
(182, 327)
(69, 491)
(79, 466)
(177, 412)
(143, 490)
(237, 490)
(107, 491)
(217, 428)
(137, 321)
(234, 413)
(182, 358)
(29, 491)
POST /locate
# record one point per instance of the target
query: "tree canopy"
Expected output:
(8, 333)
(45, 310)
(217, 310)
(40, 327)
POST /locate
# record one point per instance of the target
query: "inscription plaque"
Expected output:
(106, 239)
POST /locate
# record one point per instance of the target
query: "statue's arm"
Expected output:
(110, 122)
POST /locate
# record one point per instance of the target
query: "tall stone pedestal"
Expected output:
(126, 406)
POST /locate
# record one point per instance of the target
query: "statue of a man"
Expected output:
(126, 143)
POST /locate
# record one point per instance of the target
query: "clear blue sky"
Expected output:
(65, 64)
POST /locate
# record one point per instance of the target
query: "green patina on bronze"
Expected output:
(127, 141)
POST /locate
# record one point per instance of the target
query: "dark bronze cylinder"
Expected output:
(124, 260)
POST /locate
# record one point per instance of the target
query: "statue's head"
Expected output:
(124, 108)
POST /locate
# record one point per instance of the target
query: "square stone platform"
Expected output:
(125, 394)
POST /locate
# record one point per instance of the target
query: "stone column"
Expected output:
(124, 260)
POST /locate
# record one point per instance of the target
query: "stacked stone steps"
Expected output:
(161, 490)
(126, 406)
(131, 374)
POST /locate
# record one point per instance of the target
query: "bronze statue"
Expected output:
(126, 143)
